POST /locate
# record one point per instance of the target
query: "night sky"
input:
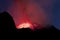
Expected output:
(47, 11)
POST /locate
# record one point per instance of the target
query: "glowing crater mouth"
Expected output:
(24, 25)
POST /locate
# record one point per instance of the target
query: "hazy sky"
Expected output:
(51, 7)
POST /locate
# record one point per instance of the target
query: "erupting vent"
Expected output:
(24, 25)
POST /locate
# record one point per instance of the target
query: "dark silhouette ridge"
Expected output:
(25, 30)
(49, 28)
(6, 23)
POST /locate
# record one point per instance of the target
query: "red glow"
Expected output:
(24, 25)
(28, 11)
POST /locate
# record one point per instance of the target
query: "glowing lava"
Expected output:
(24, 25)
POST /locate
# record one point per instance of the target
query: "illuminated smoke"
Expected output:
(28, 11)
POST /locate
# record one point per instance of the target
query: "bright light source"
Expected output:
(24, 25)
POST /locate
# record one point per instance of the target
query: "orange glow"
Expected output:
(24, 25)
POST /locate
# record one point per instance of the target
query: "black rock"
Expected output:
(6, 23)
(24, 30)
